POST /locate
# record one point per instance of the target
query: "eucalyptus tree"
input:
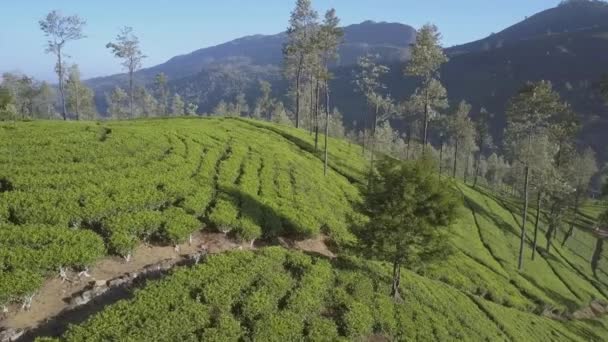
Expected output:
(178, 107)
(368, 82)
(161, 91)
(127, 48)
(263, 106)
(60, 30)
(79, 97)
(299, 46)
(410, 211)
(483, 139)
(118, 103)
(462, 132)
(330, 36)
(584, 168)
(427, 56)
(529, 114)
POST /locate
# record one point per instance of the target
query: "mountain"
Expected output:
(565, 45)
(570, 16)
(264, 53)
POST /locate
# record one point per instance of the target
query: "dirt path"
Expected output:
(54, 297)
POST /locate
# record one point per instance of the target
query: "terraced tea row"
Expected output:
(155, 181)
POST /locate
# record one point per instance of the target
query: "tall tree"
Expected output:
(178, 107)
(60, 30)
(127, 48)
(263, 106)
(298, 47)
(146, 104)
(118, 103)
(162, 93)
(528, 115)
(483, 139)
(330, 38)
(45, 100)
(584, 168)
(462, 132)
(191, 108)
(602, 224)
(8, 112)
(409, 209)
(427, 56)
(79, 97)
(368, 82)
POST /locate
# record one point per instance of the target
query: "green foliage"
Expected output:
(409, 208)
(30, 252)
(156, 180)
(242, 295)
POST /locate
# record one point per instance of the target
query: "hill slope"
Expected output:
(119, 183)
(390, 40)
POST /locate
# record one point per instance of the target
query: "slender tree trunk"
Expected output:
(522, 241)
(64, 110)
(597, 255)
(477, 162)
(326, 125)
(373, 148)
(395, 293)
(311, 109)
(552, 225)
(131, 94)
(466, 167)
(298, 81)
(77, 101)
(426, 118)
(570, 232)
(455, 158)
(441, 157)
(317, 116)
(536, 222)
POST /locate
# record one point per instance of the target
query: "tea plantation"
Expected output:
(104, 188)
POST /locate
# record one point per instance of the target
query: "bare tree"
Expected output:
(59, 30)
(127, 48)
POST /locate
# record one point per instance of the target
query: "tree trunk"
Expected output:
(441, 158)
(407, 146)
(326, 124)
(311, 108)
(536, 223)
(64, 111)
(552, 225)
(477, 162)
(131, 114)
(466, 168)
(597, 255)
(298, 80)
(426, 118)
(522, 241)
(570, 232)
(395, 293)
(317, 116)
(455, 158)
(77, 101)
(373, 148)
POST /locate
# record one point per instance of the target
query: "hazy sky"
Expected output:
(171, 27)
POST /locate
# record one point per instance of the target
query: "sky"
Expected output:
(167, 28)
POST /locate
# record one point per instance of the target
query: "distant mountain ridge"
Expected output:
(390, 40)
(565, 45)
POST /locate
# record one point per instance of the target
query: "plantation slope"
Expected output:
(105, 187)
(277, 295)
(487, 245)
